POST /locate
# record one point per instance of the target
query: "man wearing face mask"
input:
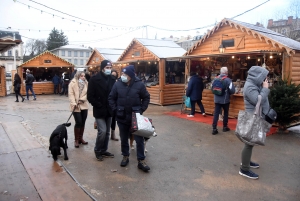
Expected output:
(99, 88)
(128, 95)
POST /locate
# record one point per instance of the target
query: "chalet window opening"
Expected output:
(228, 43)
(136, 53)
(175, 72)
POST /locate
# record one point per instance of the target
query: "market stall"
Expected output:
(2, 81)
(164, 78)
(239, 46)
(43, 67)
(100, 54)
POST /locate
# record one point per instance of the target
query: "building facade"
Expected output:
(289, 27)
(7, 58)
(75, 54)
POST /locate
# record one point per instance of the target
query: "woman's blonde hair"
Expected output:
(78, 73)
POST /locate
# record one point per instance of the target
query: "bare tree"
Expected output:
(34, 48)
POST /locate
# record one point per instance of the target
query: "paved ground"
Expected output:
(187, 162)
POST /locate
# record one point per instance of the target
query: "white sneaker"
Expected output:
(220, 117)
(132, 147)
(204, 114)
(189, 115)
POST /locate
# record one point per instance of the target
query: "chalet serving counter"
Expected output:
(236, 103)
(39, 88)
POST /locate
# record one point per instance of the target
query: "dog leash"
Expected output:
(71, 114)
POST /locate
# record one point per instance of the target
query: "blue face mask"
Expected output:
(124, 79)
(107, 71)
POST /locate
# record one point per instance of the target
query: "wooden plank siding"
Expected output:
(172, 94)
(250, 43)
(295, 68)
(144, 53)
(2, 82)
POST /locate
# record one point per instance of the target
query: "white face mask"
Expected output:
(80, 80)
(124, 78)
(107, 71)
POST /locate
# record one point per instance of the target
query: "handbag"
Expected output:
(141, 125)
(252, 128)
(187, 102)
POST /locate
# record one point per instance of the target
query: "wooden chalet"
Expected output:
(43, 67)
(8, 39)
(100, 54)
(239, 46)
(164, 78)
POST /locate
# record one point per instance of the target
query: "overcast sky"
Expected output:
(131, 14)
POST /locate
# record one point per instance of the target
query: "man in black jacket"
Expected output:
(128, 95)
(29, 81)
(99, 88)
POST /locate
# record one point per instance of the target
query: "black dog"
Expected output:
(59, 139)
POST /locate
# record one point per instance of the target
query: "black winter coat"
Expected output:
(195, 88)
(124, 99)
(29, 79)
(99, 88)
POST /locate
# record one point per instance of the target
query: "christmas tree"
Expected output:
(284, 99)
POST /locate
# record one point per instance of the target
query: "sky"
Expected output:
(119, 21)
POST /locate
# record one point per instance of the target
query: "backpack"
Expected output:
(218, 86)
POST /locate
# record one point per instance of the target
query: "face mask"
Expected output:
(107, 71)
(81, 81)
(124, 79)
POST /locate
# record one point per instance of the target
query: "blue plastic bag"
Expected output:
(187, 102)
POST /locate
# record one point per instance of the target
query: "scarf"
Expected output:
(81, 84)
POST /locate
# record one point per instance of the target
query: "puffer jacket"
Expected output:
(195, 88)
(125, 99)
(253, 88)
(75, 97)
(29, 79)
(225, 98)
(99, 88)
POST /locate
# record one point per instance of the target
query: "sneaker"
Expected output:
(132, 147)
(124, 161)
(143, 166)
(99, 157)
(204, 114)
(34, 99)
(189, 115)
(23, 99)
(107, 154)
(253, 165)
(225, 129)
(215, 131)
(249, 174)
(220, 117)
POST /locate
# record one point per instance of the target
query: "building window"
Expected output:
(70, 60)
(87, 54)
(81, 61)
(9, 53)
(75, 61)
(62, 53)
(228, 43)
(69, 53)
(17, 53)
(75, 53)
(81, 54)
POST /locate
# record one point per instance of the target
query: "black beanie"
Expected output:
(129, 70)
(104, 63)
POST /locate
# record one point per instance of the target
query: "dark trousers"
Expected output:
(17, 92)
(193, 104)
(29, 87)
(65, 89)
(80, 118)
(124, 134)
(56, 89)
(217, 112)
(113, 123)
(103, 126)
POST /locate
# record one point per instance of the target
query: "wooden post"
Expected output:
(187, 69)
(162, 75)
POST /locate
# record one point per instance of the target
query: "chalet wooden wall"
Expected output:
(243, 42)
(144, 53)
(295, 68)
(173, 93)
(39, 88)
(2, 82)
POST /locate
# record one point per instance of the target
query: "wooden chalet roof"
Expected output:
(159, 48)
(263, 34)
(47, 52)
(7, 40)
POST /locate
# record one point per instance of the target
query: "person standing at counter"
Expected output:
(29, 81)
(194, 91)
(56, 81)
(223, 101)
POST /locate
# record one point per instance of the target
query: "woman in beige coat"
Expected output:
(78, 102)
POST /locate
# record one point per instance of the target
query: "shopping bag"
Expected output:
(187, 102)
(252, 128)
(141, 125)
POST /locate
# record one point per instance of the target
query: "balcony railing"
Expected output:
(10, 58)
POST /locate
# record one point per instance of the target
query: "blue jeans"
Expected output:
(103, 126)
(217, 112)
(193, 103)
(124, 134)
(29, 87)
